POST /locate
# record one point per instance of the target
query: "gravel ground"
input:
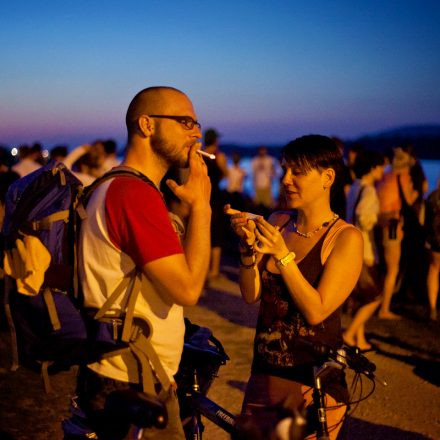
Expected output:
(408, 358)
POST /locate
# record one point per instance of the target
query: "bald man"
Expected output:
(128, 229)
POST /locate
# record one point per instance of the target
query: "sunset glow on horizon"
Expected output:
(258, 71)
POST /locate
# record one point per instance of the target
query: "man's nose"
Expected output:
(197, 132)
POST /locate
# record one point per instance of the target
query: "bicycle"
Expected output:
(199, 367)
(202, 357)
(296, 425)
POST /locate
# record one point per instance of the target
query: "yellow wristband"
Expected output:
(283, 262)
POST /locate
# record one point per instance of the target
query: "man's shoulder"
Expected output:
(126, 192)
(126, 185)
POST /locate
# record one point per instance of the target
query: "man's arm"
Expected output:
(75, 154)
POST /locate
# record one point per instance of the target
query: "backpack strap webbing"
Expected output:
(145, 370)
(142, 348)
(123, 287)
(121, 171)
(46, 222)
(129, 314)
(45, 376)
(139, 344)
(51, 309)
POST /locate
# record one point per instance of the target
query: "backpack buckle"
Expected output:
(116, 324)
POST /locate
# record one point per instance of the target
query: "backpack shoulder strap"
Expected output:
(122, 171)
(130, 287)
(85, 198)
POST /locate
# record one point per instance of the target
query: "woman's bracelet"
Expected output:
(248, 266)
(283, 262)
(245, 249)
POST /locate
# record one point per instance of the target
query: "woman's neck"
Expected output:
(313, 217)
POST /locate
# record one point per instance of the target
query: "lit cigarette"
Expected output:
(203, 153)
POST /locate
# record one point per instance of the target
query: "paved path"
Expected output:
(409, 359)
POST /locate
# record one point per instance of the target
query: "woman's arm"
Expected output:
(250, 279)
(340, 274)
(244, 226)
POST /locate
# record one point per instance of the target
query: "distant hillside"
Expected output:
(424, 138)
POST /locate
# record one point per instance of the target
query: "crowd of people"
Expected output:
(293, 260)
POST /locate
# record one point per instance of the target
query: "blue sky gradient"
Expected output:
(258, 71)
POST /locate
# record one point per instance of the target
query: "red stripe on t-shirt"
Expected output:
(137, 221)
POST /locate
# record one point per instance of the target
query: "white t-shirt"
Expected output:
(262, 169)
(236, 175)
(25, 167)
(128, 226)
(366, 215)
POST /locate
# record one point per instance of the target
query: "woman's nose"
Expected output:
(287, 178)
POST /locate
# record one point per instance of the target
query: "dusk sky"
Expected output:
(258, 71)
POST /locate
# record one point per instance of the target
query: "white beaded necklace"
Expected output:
(309, 234)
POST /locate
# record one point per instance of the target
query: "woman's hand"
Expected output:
(243, 224)
(269, 239)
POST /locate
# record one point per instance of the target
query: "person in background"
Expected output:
(59, 153)
(236, 176)
(7, 177)
(128, 230)
(110, 158)
(28, 160)
(263, 173)
(353, 151)
(217, 170)
(414, 259)
(295, 264)
(432, 225)
(395, 191)
(5, 159)
(85, 162)
(363, 212)
(339, 190)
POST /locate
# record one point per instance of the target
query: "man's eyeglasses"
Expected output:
(187, 121)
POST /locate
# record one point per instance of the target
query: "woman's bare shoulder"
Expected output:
(341, 233)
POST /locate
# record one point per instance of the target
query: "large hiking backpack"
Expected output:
(50, 329)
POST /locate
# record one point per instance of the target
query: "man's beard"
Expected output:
(170, 153)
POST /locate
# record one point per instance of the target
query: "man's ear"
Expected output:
(328, 177)
(145, 125)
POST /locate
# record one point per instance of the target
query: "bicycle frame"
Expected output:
(194, 403)
(201, 405)
(318, 399)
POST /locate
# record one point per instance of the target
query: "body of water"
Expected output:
(430, 167)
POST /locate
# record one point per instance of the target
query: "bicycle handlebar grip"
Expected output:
(355, 360)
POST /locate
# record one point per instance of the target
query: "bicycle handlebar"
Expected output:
(346, 356)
